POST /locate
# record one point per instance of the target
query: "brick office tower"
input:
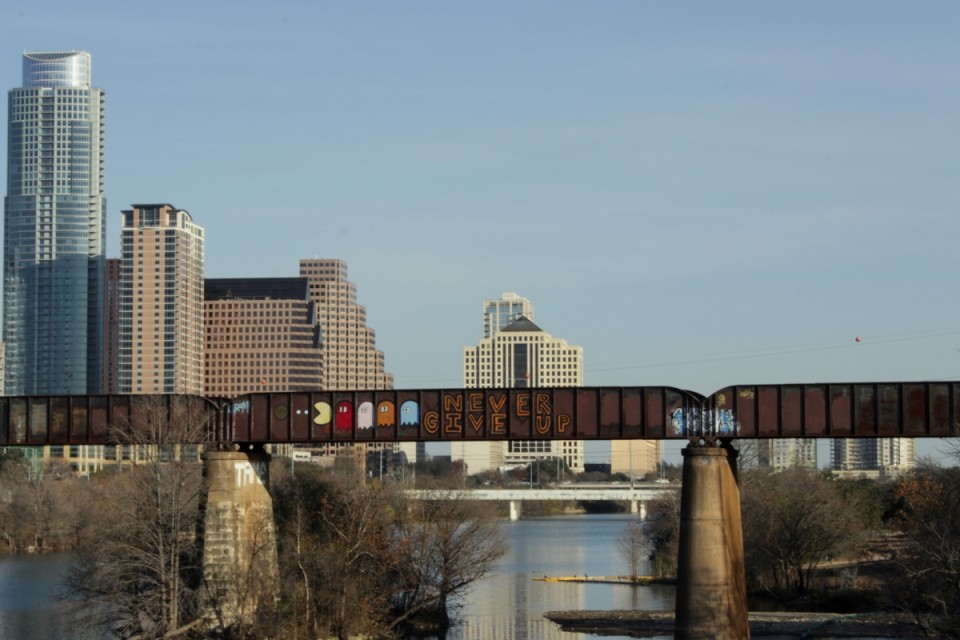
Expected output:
(161, 301)
(261, 335)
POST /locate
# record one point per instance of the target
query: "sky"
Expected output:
(699, 194)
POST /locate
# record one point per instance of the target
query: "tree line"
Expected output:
(812, 539)
(357, 558)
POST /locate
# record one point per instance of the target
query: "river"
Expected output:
(507, 605)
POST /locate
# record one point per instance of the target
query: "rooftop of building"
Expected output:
(522, 323)
(256, 289)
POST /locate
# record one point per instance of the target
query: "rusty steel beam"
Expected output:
(829, 410)
(98, 419)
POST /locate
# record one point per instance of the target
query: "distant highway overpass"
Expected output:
(637, 496)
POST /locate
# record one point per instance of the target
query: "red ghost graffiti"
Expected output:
(344, 418)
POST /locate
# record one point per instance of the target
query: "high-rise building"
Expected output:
(500, 312)
(161, 301)
(351, 360)
(261, 335)
(54, 228)
(880, 456)
(521, 355)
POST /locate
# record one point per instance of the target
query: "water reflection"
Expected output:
(509, 605)
(30, 608)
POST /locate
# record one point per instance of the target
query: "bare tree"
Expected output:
(929, 518)
(141, 576)
(38, 507)
(634, 546)
(792, 522)
(663, 517)
(446, 545)
(337, 535)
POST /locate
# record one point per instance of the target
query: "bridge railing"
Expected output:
(830, 410)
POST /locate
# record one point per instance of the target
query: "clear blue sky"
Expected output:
(699, 194)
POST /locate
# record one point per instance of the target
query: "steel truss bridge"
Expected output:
(828, 410)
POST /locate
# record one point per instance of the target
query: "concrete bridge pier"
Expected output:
(639, 508)
(240, 567)
(711, 582)
(515, 510)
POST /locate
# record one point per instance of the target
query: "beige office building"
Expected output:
(261, 336)
(635, 458)
(351, 360)
(519, 355)
(161, 302)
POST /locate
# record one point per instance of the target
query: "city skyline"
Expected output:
(747, 191)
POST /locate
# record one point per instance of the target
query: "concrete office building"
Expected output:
(161, 301)
(54, 228)
(261, 335)
(520, 355)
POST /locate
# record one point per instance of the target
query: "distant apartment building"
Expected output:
(261, 335)
(782, 453)
(161, 301)
(520, 355)
(872, 456)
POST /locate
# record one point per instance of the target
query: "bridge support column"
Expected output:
(240, 569)
(515, 510)
(639, 507)
(711, 582)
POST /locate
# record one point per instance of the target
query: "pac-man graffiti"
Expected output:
(324, 413)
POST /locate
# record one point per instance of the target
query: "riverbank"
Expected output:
(645, 624)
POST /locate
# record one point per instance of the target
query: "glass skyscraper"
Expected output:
(54, 229)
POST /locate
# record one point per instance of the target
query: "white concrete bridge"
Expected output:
(637, 495)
